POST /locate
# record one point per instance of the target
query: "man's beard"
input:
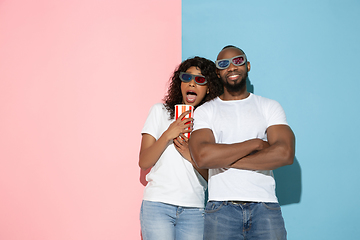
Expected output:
(237, 86)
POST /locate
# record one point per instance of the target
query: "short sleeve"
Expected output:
(152, 125)
(201, 118)
(275, 114)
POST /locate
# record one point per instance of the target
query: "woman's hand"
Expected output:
(179, 126)
(181, 144)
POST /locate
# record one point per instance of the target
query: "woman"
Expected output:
(173, 202)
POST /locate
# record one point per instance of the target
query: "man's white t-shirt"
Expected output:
(237, 121)
(172, 179)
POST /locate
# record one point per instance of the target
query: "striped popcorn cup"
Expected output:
(179, 109)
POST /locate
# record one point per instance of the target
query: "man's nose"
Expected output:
(232, 67)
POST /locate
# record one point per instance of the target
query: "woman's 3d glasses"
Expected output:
(187, 77)
(225, 63)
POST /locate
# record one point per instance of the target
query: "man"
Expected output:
(241, 137)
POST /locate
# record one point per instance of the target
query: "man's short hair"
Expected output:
(232, 46)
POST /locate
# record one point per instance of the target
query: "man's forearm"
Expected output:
(275, 156)
(214, 155)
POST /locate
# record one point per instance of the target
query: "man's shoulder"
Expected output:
(209, 104)
(263, 100)
(206, 110)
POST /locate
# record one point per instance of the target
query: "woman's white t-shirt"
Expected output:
(172, 179)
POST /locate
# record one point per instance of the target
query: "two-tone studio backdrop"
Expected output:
(77, 79)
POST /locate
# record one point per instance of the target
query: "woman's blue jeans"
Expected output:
(160, 221)
(235, 221)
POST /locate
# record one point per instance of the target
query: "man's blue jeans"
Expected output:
(236, 221)
(160, 221)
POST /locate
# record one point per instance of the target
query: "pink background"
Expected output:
(77, 79)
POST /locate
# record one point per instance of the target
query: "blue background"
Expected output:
(305, 55)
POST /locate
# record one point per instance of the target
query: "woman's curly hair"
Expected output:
(207, 68)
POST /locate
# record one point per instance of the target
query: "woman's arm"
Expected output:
(151, 149)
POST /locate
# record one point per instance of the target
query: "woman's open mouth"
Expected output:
(191, 96)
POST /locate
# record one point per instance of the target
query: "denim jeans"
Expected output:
(229, 221)
(160, 221)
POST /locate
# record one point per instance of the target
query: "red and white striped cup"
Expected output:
(179, 109)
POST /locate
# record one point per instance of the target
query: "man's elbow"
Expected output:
(199, 160)
(201, 164)
(289, 161)
(288, 155)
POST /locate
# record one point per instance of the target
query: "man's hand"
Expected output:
(281, 151)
